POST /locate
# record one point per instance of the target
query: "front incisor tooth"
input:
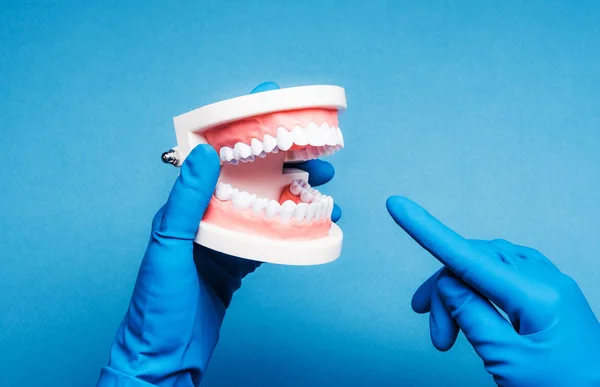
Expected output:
(284, 139)
(257, 146)
(287, 211)
(301, 210)
(223, 192)
(269, 143)
(315, 137)
(272, 209)
(299, 136)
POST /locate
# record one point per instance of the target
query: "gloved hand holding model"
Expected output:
(553, 337)
(183, 289)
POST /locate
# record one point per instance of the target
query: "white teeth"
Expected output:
(284, 139)
(223, 153)
(315, 137)
(272, 209)
(257, 146)
(223, 192)
(259, 205)
(306, 196)
(323, 209)
(226, 153)
(241, 200)
(242, 150)
(296, 187)
(320, 207)
(299, 135)
(316, 195)
(269, 143)
(301, 210)
(311, 212)
(340, 137)
(312, 152)
(329, 207)
(287, 211)
(318, 141)
(330, 135)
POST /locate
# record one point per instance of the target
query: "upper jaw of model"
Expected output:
(256, 196)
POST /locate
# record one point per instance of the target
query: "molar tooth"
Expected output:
(223, 192)
(312, 152)
(284, 139)
(301, 210)
(315, 137)
(301, 154)
(269, 143)
(299, 136)
(306, 196)
(311, 212)
(241, 200)
(272, 209)
(257, 146)
(287, 211)
(243, 150)
(296, 187)
(223, 153)
(316, 195)
(234, 162)
(226, 153)
(248, 159)
(259, 205)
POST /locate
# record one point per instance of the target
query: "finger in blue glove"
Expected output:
(551, 337)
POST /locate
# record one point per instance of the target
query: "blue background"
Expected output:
(488, 115)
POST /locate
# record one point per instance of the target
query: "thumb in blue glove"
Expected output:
(183, 289)
(551, 337)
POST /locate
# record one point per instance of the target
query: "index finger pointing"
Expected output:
(477, 268)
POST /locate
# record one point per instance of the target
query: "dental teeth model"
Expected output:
(261, 210)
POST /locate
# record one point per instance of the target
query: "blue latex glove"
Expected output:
(551, 337)
(183, 289)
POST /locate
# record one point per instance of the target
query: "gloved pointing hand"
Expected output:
(552, 338)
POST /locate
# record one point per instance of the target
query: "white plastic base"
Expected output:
(298, 253)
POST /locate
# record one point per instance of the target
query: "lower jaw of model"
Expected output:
(259, 201)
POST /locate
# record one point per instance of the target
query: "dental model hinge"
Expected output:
(171, 157)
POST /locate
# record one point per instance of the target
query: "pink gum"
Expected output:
(223, 214)
(259, 126)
